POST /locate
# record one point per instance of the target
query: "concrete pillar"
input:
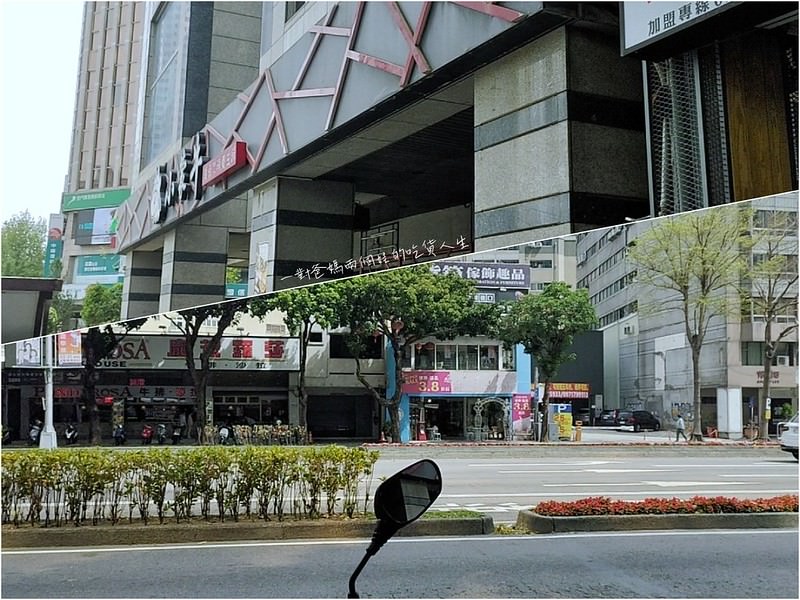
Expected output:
(297, 224)
(729, 413)
(141, 286)
(559, 139)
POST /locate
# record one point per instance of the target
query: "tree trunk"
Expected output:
(546, 411)
(769, 354)
(89, 391)
(697, 425)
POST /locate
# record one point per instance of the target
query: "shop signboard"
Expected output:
(646, 22)
(94, 199)
(235, 290)
(235, 353)
(488, 275)
(569, 390)
(424, 382)
(560, 419)
(69, 349)
(225, 164)
(94, 265)
(521, 413)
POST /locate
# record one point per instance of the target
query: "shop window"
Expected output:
(467, 357)
(405, 357)
(509, 363)
(426, 356)
(446, 356)
(315, 337)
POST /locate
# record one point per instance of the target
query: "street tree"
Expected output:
(690, 263)
(99, 344)
(769, 290)
(190, 324)
(102, 304)
(63, 310)
(303, 309)
(407, 305)
(23, 243)
(545, 325)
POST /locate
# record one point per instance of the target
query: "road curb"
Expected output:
(200, 531)
(536, 523)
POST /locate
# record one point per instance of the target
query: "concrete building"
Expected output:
(647, 361)
(103, 133)
(374, 128)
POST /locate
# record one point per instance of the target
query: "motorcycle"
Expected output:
(34, 433)
(71, 434)
(400, 500)
(6, 435)
(161, 434)
(147, 434)
(224, 435)
(119, 435)
(176, 435)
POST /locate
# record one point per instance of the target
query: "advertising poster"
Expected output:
(29, 353)
(261, 282)
(521, 413)
(69, 349)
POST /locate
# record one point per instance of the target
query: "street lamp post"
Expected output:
(48, 438)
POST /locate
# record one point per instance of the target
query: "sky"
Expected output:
(39, 62)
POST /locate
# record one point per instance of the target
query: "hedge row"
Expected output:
(82, 486)
(657, 506)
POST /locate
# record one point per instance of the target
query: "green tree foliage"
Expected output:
(406, 305)
(63, 310)
(691, 263)
(102, 304)
(190, 325)
(303, 309)
(23, 242)
(545, 324)
(769, 288)
(98, 344)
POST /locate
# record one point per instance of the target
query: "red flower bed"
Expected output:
(600, 505)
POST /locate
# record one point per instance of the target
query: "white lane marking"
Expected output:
(523, 471)
(636, 483)
(696, 466)
(762, 475)
(409, 540)
(691, 483)
(549, 464)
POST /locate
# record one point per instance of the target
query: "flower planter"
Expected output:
(537, 523)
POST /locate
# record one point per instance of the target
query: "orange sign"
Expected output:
(569, 390)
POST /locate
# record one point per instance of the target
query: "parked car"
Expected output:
(607, 418)
(639, 419)
(583, 415)
(787, 435)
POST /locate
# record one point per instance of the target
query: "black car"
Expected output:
(607, 418)
(639, 419)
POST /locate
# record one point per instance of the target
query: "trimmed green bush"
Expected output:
(92, 486)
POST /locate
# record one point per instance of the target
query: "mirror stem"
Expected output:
(383, 532)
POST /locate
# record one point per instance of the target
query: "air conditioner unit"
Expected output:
(615, 232)
(783, 361)
(535, 244)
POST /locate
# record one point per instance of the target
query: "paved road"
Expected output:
(501, 486)
(671, 564)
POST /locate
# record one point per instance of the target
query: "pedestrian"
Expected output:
(680, 426)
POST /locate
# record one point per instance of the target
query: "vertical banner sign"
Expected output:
(29, 353)
(261, 286)
(69, 349)
(55, 245)
(521, 413)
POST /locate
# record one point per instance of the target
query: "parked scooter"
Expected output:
(161, 434)
(119, 435)
(34, 433)
(226, 435)
(71, 434)
(176, 435)
(399, 500)
(6, 435)
(147, 434)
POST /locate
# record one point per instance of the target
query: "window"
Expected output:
(508, 359)
(753, 354)
(162, 80)
(467, 358)
(292, 8)
(541, 264)
(315, 337)
(488, 356)
(372, 347)
(446, 356)
(426, 356)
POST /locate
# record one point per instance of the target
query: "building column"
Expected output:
(729, 413)
(298, 224)
(559, 139)
(141, 286)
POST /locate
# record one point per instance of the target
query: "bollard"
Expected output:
(578, 430)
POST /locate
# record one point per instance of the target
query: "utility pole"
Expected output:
(48, 438)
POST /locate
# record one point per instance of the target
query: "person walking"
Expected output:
(680, 426)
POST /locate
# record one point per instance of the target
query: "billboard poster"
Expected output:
(29, 353)
(93, 265)
(424, 382)
(261, 282)
(55, 245)
(521, 413)
(69, 349)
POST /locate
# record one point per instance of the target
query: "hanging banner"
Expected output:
(69, 349)
(29, 353)
(521, 413)
(422, 382)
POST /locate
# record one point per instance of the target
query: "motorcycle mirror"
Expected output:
(399, 500)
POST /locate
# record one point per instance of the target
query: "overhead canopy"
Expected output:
(25, 304)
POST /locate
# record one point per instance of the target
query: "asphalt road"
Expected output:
(671, 564)
(500, 486)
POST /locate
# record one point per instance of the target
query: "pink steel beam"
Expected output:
(343, 69)
(422, 23)
(415, 54)
(493, 10)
